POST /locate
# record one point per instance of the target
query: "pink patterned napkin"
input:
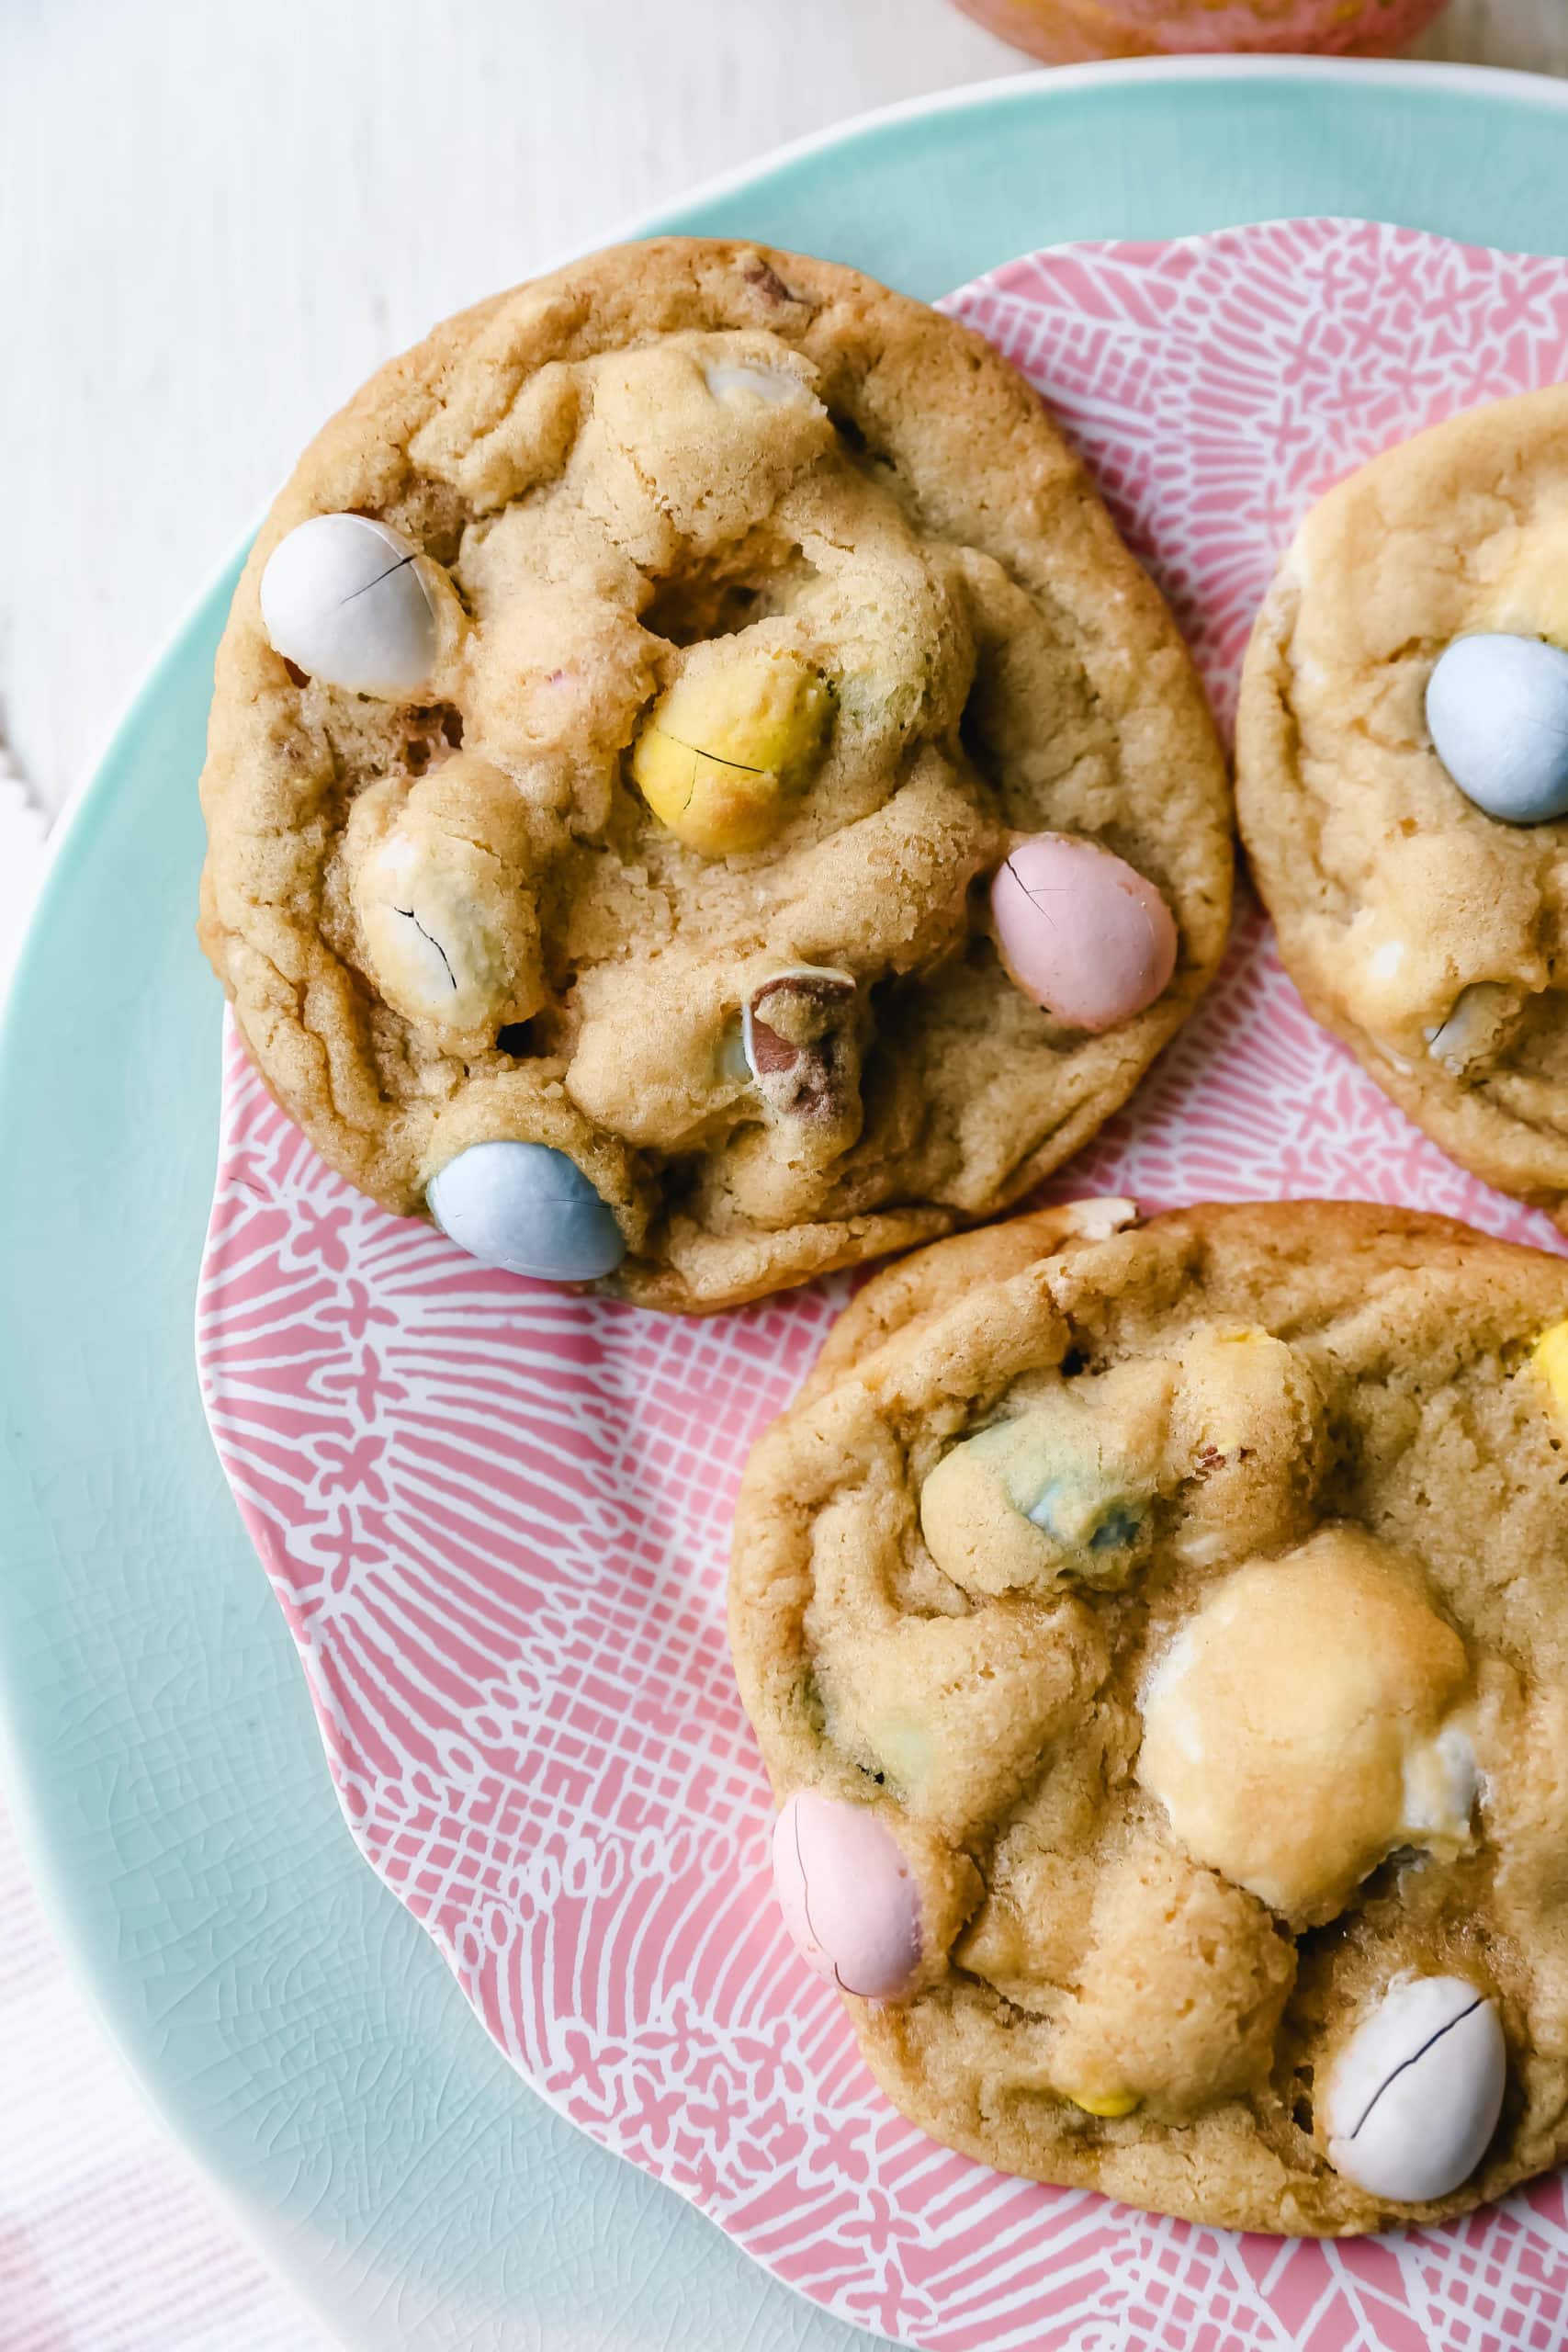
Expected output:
(495, 1517)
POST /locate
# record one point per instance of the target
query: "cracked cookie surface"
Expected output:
(1176, 1617)
(1429, 936)
(761, 613)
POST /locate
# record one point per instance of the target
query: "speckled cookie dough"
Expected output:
(1402, 781)
(697, 792)
(1157, 1638)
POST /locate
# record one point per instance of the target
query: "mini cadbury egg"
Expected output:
(527, 1209)
(342, 597)
(848, 1898)
(1417, 2090)
(797, 1037)
(1497, 708)
(1080, 931)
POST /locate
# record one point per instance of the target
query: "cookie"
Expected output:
(1157, 1639)
(698, 793)
(1402, 781)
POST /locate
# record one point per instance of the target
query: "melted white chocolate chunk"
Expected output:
(1302, 1726)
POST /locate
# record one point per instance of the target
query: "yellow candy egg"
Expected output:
(727, 745)
(1549, 1357)
(1107, 2104)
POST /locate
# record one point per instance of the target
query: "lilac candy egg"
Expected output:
(1497, 709)
(848, 1895)
(528, 1209)
(1080, 931)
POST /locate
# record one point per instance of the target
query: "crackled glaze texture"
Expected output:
(524, 1498)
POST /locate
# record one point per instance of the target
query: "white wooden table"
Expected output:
(223, 215)
(215, 218)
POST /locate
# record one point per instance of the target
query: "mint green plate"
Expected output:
(291, 2022)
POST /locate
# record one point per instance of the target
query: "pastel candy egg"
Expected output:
(1497, 708)
(527, 1209)
(725, 748)
(344, 598)
(1417, 2093)
(848, 1898)
(1081, 932)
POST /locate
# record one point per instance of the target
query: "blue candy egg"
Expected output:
(1497, 708)
(527, 1209)
(1078, 1516)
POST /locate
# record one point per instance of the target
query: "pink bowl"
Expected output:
(1067, 32)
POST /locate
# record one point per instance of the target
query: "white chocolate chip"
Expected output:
(1416, 2094)
(347, 600)
(1097, 1220)
(743, 383)
(1384, 961)
(1473, 1028)
(1440, 1785)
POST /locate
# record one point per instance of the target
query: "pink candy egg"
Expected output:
(1080, 931)
(848, 1898)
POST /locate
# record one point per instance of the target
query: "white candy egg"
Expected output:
(1416, 2092)
(345, 599)
(527, 1209)
(1497, 708)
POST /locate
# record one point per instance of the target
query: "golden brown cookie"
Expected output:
(620, 718)
(1402, 777)
(1157, 1638)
